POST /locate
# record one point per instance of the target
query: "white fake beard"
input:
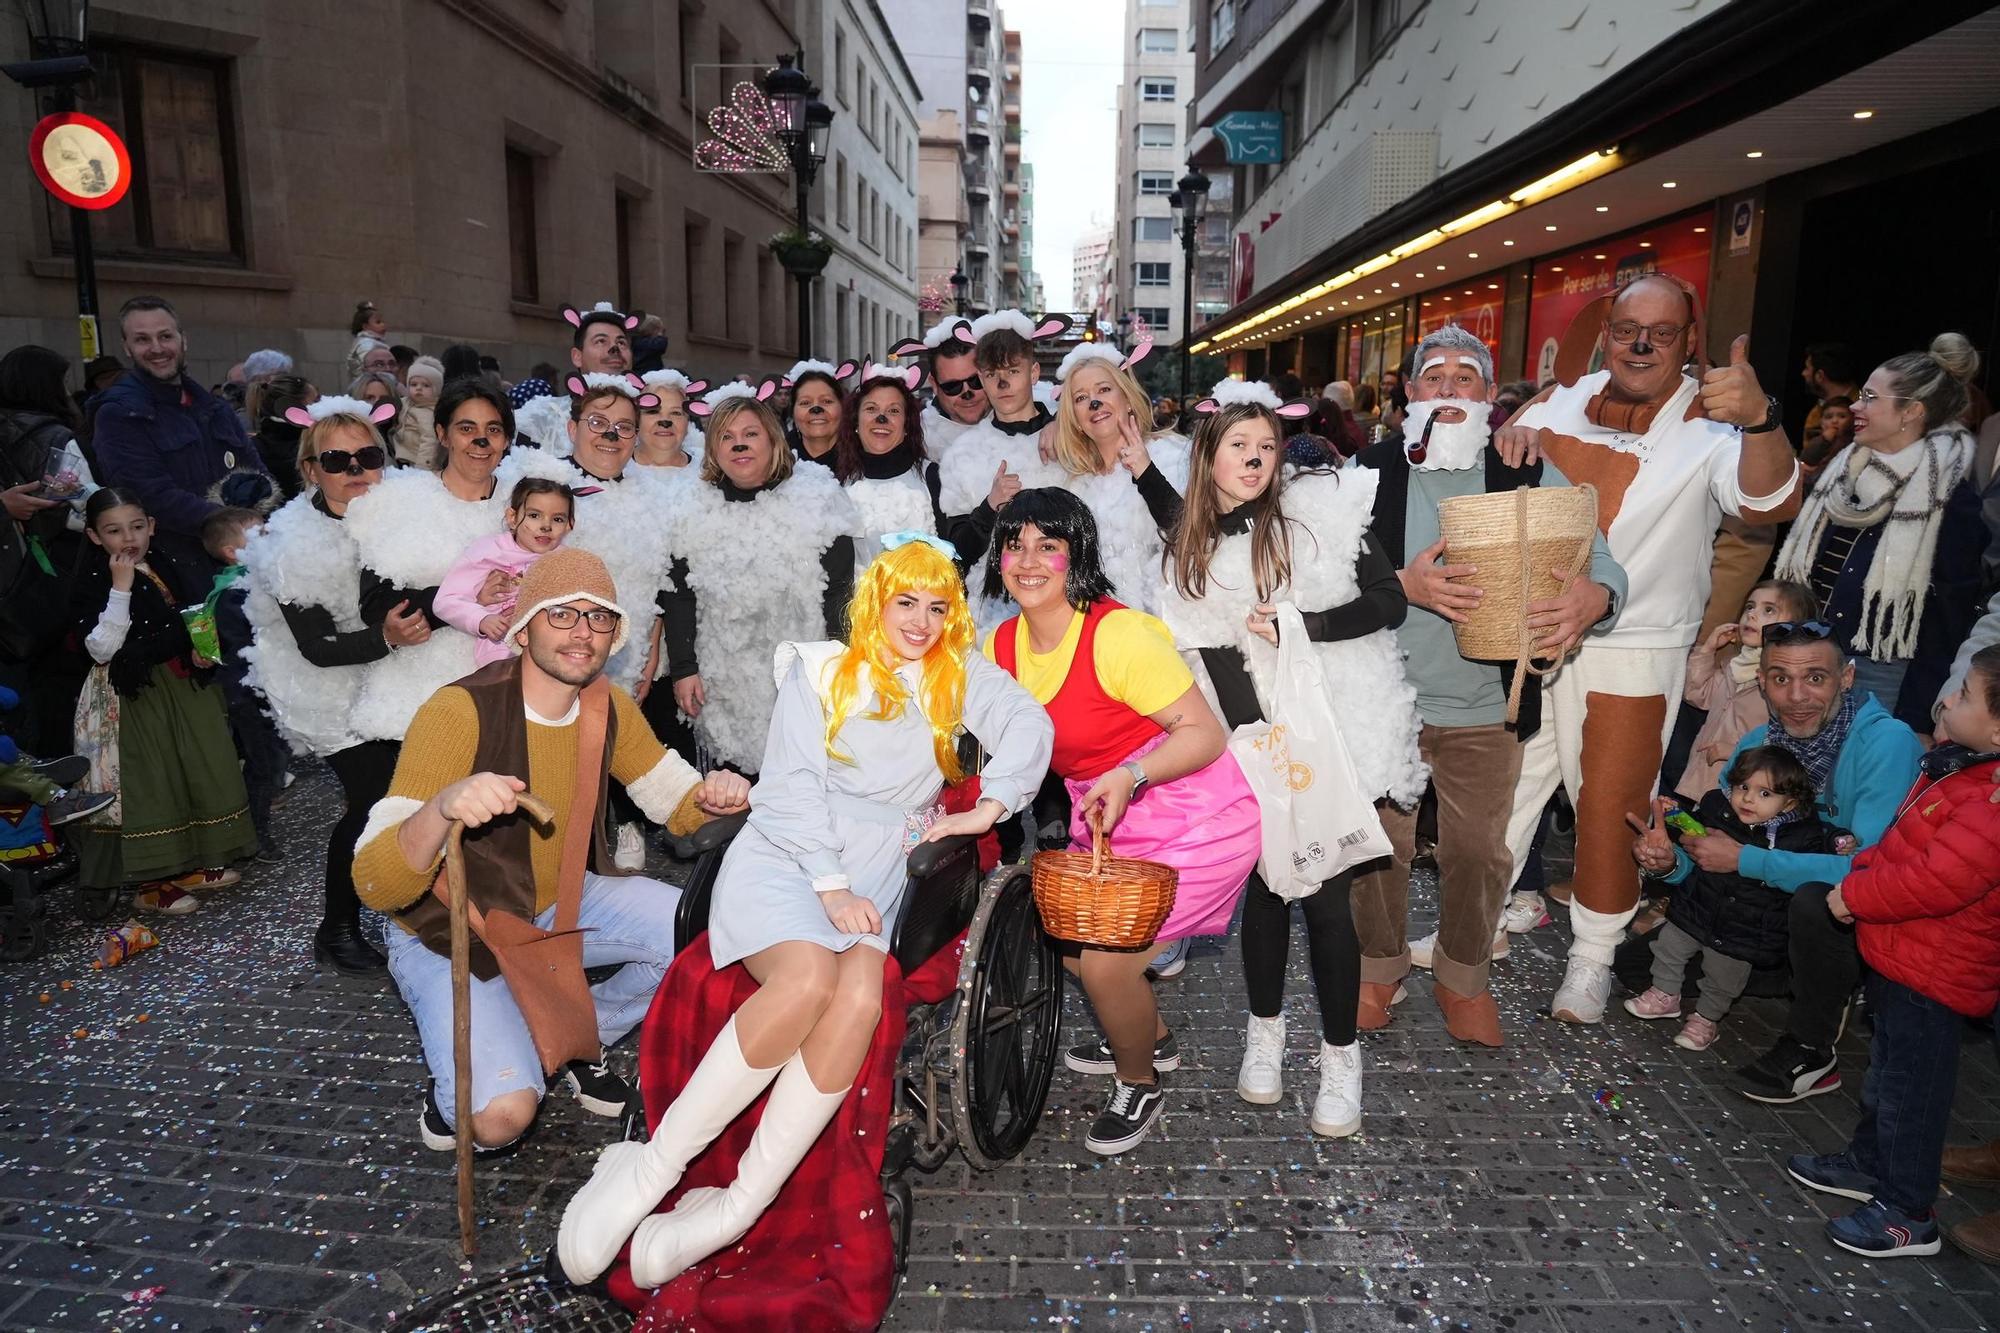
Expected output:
(1454, 445)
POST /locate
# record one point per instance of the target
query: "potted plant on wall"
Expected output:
(803, 253)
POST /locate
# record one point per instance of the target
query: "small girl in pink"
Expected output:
(540, 513)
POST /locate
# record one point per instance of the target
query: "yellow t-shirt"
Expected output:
(1136, 661)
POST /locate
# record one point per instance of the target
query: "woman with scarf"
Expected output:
(1890, 537)
(761, 553)
(880, 458)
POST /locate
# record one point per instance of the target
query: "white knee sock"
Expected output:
(1598, 934)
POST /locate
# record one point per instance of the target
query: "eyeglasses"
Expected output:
(1627, 331)
(964, 388)
(608, 428)
(1868, 397)
(368, 458)
(564, 617)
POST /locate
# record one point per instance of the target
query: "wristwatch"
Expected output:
(1773, 417)
(1610, 605)
(1139, 778)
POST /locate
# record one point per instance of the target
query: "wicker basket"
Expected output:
(1518, 540)
(1111, 902)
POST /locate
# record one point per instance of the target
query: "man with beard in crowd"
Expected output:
(1473, 753)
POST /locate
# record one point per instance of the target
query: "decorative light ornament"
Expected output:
(745, 129)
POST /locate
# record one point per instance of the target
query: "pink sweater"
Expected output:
(1734, 711)
(457, 601)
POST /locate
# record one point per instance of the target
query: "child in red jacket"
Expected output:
(1927, 917)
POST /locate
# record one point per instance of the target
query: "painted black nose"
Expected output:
(1253, 463)
(739, 448)
(1641, 347)
(1097, 404)
(881, 418)
(816, 410)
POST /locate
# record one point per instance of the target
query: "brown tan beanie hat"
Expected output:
(566, 574)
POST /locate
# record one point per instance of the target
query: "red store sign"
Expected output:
(1564, 284)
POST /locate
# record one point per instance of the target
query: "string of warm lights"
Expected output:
(1579, 172)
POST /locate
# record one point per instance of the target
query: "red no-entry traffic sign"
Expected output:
(80, 160)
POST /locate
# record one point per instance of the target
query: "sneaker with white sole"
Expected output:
(1172, 960)
(1261, 1080)
(1832, 1173)
(1697, 1034)
(1877, 1231)
(1421, 950)
(1094, 1057)
(1790, 1071)
(1653, 1005)
(630, 853)
(597, 1089)
(437, 1135)
(1127, 1118)
(1525, 912)
(166, 900)
(74, 805)
(1585, 990)
(1336, 1110)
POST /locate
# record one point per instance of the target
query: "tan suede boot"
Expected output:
(1473, 1018)
(1376, 999)
(1977, 1164)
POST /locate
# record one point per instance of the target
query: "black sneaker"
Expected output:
(269, 854)
(1133, 1109)
(66, 771)
(437, 1133)
(1094, 1057)
(1831, 1173)
(597, 1089)
(75, 805)
(1789, 1072)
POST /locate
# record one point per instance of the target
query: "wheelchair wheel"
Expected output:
(98, 904)
(1009, 1013)
(521, 1299)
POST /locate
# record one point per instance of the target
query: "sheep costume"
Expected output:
(545, 420)
(941, 432)
(694, 442)
(302, 557)
(902, 503)
(1373, 702)
(754, 567)
(622, 522)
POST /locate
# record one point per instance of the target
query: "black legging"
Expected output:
(364, 771)
(1331, 944)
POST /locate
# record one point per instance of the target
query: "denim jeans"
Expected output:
(1884, 680)
(627, 919)
(1906, 1098)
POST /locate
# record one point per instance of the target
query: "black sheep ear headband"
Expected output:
(630, 385)
(716, 397)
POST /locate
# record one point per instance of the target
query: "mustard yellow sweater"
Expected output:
(438, 750)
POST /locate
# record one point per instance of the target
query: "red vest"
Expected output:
(1094, 732)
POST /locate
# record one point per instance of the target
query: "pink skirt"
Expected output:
(1205, 826)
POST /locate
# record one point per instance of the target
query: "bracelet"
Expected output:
(831, 883)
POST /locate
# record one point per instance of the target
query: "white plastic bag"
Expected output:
(1316, 822)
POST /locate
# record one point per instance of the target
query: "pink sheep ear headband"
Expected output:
(337, 405)
(1139, 353)
(702, 407)
(908, 376)
(1296, 410)
(576, 317)
(630, 385)
(1048, 326)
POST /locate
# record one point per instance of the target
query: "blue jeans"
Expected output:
(1884, 680)
(1906, 1098)
(628, 919)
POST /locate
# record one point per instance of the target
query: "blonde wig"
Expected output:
(718, 421)
(314, 437)
(1075, 451)
(913, 567)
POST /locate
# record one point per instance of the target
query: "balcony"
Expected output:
(1011, 189)
(979, 12)
(976, 246)
(979, 66)
(978, 185)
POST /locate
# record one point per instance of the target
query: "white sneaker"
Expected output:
(1261, 1079)
(1420, 950)
(1525, 911)
(1337, 1110)
(1172, 960)
(1585, 990)
(631, 851)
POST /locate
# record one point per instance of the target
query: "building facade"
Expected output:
(501, 158)
(1158, 78)
(865, 201)
(1013, 286)
(1414, 163)
(1086, 267)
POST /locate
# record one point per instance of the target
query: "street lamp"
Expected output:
(1190, 205)
(959, 282)
(804, 125)
(1125, 332)
(58, 61)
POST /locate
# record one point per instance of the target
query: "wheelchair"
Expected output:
(975, 1069)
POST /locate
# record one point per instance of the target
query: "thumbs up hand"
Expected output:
(1730, 393)
(1006, 485)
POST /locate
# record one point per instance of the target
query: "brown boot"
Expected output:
(1979, 1237)
(1978, 1164)
(1564, 893)
(1473, 1018)
(1376, 998)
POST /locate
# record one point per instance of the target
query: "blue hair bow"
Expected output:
(891, 540)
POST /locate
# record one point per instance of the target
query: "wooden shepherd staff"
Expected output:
(461, 1010)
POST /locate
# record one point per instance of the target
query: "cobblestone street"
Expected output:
(216, 1136)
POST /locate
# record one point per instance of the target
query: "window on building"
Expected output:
(736, 288)
(1156, 182)
(1221, 24)
(1147, 273)
(1156, 316)
(1153, 134)
(622, 208)
(841, 337)
(1385, 19)
(698, 285)
(1156, 41)
(522, 251)
(1152, 229)
(690, 35)
(840, 190)
(1156, 90)
(840, 65)
(175, 113)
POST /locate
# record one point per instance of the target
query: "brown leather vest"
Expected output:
(499, 864)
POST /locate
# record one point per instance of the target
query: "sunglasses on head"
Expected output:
(964, 388)
(368, 458)
(1780, 632)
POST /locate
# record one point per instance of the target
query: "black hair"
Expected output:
(528, 486)
(1837, 361)
(362, 310)
(546, 372)
(1985, 668)
(847, 448)
(951, 347)
(1055, 513)
(460, 360)
(403, 353)
(490, 364)
(1789, 777)
(456, 393)
(590, 317)
(107, 498)
(1002, 348)
(31, 380)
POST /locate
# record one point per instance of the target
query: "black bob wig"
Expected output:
(1055, 513)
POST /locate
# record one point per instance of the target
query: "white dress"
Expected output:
(811, 815)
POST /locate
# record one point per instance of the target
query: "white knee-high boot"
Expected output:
(707, 1220)
(630, 1179)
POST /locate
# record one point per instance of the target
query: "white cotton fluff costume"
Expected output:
(754, 568)
(1373, 702)
(545, 420)
(410, 530)
(889, 504)
(303, 558)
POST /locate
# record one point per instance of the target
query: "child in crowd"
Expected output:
(415, 442)
(1727, 688)
(1925, 901)
(540, 513)
(49, 783)
(223, 534)
(1737, 924)
(183, 813)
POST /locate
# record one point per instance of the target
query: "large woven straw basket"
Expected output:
(1519, 540)
(1113, 902)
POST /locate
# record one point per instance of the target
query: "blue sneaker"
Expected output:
(1171, 961)
(1831, 1173)
(1877, 1231)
